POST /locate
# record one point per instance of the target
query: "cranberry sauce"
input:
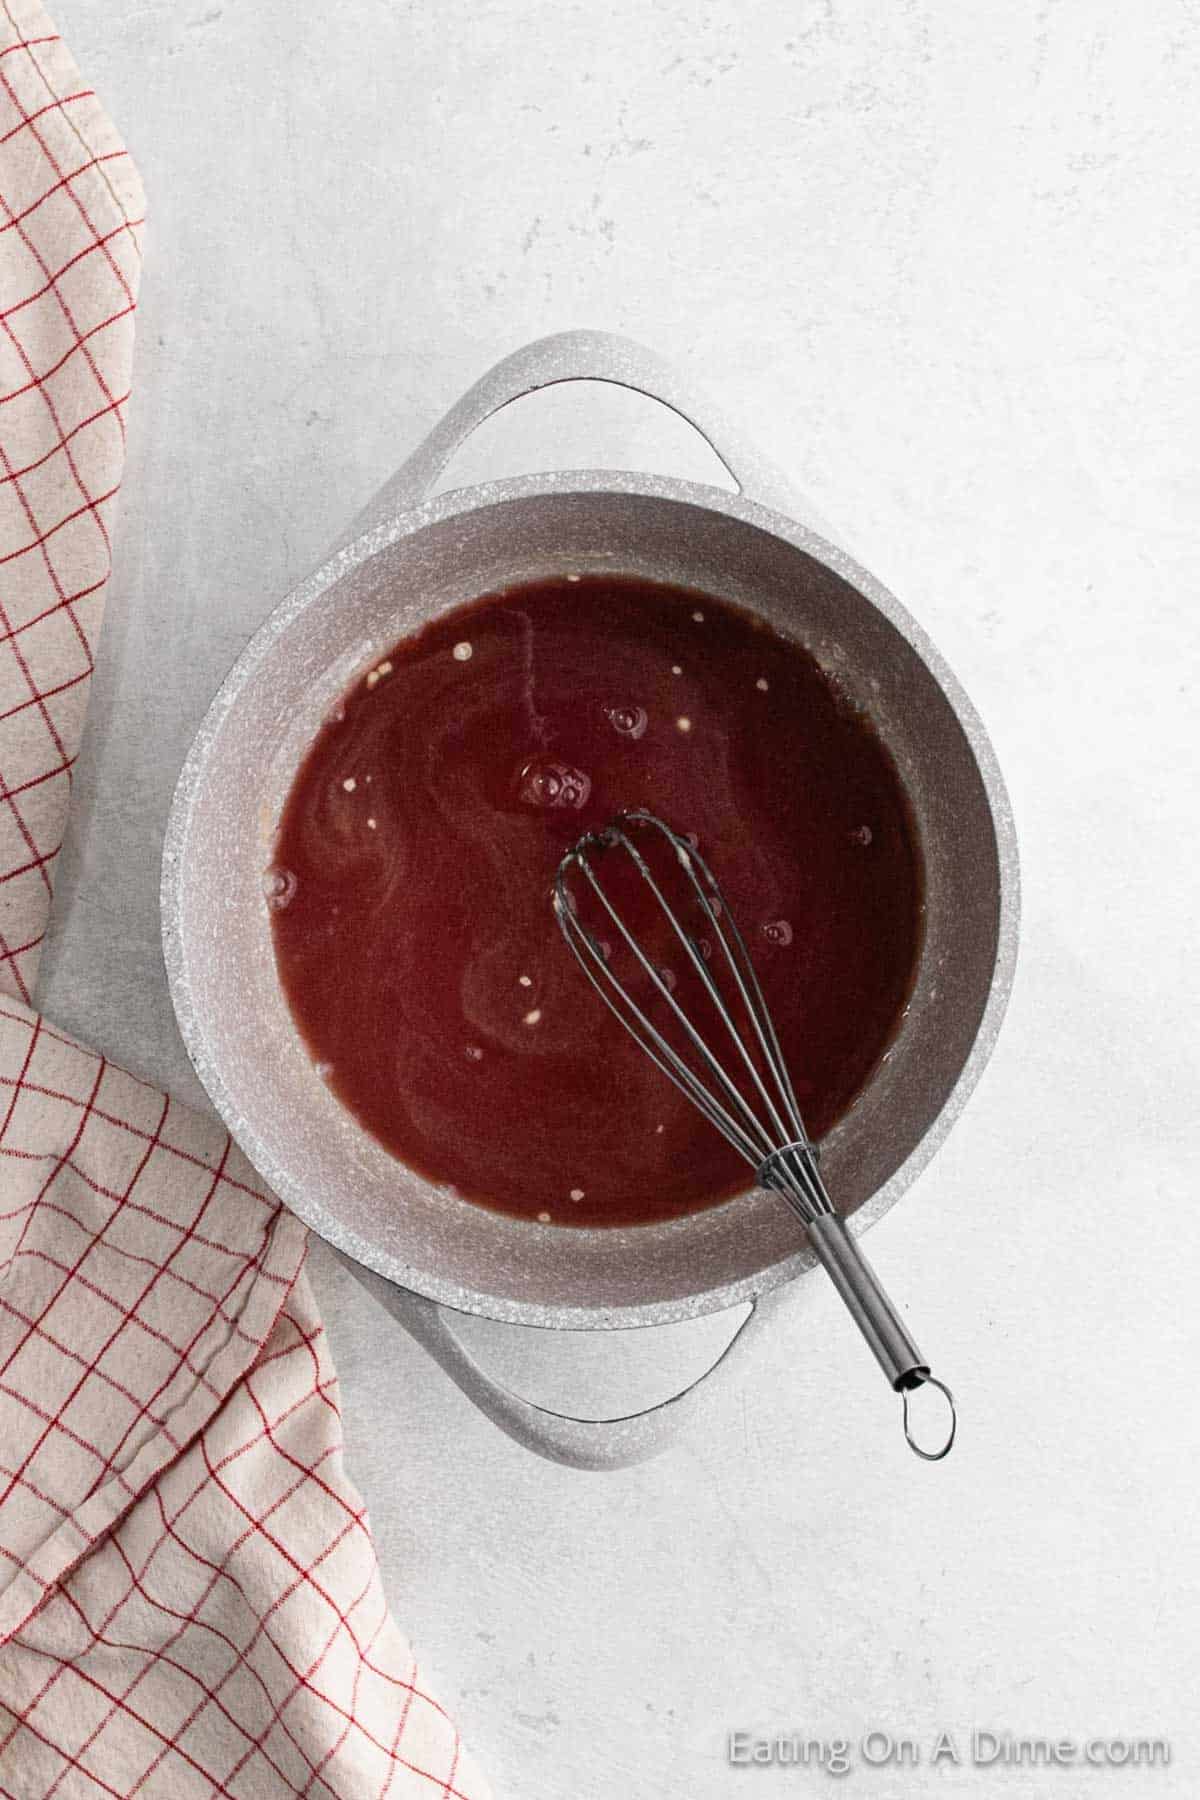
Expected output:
(411, 882)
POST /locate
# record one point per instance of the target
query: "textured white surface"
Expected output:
(942, 262)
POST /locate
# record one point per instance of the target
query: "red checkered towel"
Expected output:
(189, 1598)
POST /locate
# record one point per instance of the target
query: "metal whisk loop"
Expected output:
(663, 1053)
(620, 1002)
(754, 1105)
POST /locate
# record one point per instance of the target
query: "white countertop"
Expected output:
(941, 261)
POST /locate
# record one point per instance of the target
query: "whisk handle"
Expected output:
(868, 1304)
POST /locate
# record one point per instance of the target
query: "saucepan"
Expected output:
(429, 1255)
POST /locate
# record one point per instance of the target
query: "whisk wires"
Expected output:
(746, 1092)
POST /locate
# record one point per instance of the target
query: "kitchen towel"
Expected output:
(190, 1602)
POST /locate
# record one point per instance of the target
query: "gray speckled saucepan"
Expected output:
(426, 1253)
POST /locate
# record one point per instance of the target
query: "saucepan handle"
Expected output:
(585, 356)
(560, 1437)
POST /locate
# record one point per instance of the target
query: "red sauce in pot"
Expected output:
(410, 888)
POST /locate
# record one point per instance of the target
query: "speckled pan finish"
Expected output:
(407, 560)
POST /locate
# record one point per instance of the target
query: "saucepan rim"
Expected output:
(361, 549)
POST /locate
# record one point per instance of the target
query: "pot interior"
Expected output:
(231, 1007)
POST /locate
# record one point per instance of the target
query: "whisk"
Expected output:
(744, 1089)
